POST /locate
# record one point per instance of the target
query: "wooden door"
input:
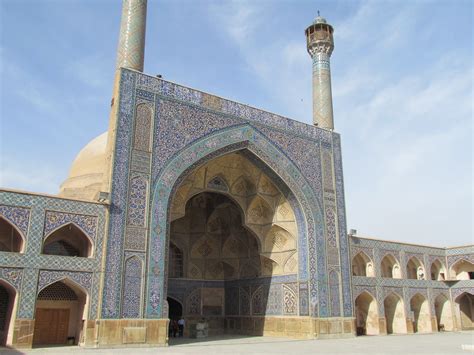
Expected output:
(51, 326)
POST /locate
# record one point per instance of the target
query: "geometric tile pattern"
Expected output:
(54, 220)
(182, 117)
(45, 214)
(18, 216)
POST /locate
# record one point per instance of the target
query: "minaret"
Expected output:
(131, 47)
(320, 44)
(130, 54)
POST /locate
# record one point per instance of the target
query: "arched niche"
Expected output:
(362, 265)
(68, 240)
(420, 308)
(415, 269)
(11, 240)
(444, 314)
(390, 267)
(367, 316)
(438, 271)
(395, 318)
(465, 311)
(462, 270)
(61, 313)
(8, 302)
(176, 262)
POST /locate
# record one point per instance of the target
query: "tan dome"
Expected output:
(86, 173)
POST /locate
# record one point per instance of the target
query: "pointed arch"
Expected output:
(362, 265)
(8, 305)
(438, 270)
(307, 207)
(11, 238)
(132, 287)
(465, 310)
(68, 240)
(390, 267)
(395, 317)
(54, 324)
(415, 269)
(443, 311)
(462, 269)
(420, 308)
(367, 316)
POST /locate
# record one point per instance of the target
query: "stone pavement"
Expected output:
(438, 343)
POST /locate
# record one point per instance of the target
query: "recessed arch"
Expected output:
(390, 267)
(415, 269)
(176, 262)
(367, 316)
(438, 270)
(247, 141)
(420, 308)
(8, 305)
(444, 315)
(61, 312)
(462, 269)
(68, 240)
(395, 318)
(465, 311)
(362, 265)
(11, 239)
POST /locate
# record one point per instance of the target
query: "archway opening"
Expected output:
(390, 267)
(462, 270)
(421, 314)
(61, 310)
(465, 306)
(362, 265)
(7, 312)
(395, 314)
(438, 271)
(69, 240)
(10, 238)
(444, 315)
(367, 316)
(231, 232)
(415, 269)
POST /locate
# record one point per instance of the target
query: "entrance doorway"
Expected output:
(7, 301)
(175, 310)
(60, 314)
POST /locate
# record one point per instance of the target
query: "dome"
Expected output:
(86, 173)
(319, 19)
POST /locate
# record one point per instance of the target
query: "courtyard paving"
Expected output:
(439, 343)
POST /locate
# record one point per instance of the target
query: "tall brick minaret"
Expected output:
(320, 45)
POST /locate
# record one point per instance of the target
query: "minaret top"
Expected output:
(319, 36)
(319, 19)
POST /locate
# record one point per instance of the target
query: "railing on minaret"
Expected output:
(320, 45)
(131, 47)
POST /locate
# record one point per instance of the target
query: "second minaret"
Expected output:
(320, 44)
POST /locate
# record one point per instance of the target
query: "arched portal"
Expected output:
(444, 315)
(69, 240)
(61, 310)
(415, 269)
(421, 314)
(465, 310)
(362, 265)
(438, 271)
(235, 230)
(10, 239)
(389, 267)
(7, 312)
(367, 316)
(175, 309)
(395, 314)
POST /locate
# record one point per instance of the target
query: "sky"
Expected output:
(402, 79)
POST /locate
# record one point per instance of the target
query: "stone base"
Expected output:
(434, 325)
(382, 326)
(291, 327)
(23, 330)
(410, 326)
(109, 333)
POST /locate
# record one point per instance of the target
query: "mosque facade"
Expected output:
(195, 206)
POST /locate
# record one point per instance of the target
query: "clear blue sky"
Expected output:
(402, 85)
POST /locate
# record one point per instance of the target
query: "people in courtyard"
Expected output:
(181, 323)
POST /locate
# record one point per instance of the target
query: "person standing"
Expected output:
(181, 323)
